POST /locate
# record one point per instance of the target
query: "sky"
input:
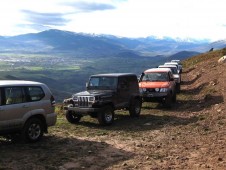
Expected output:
(198, 19)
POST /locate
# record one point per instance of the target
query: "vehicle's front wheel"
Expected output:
(106, 116)
(72, 117)
(178, 88)
(33, 130)
(135, 108)
(168, 101)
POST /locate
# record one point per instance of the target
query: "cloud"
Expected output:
(35, 27)
(90, 6)
(36, 18)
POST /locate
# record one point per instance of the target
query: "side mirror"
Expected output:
(141, 77)
(87, 84)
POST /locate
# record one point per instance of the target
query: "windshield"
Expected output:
(102, 83)
(155, 76)
(173, 69)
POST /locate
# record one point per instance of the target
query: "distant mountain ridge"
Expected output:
(89, 45)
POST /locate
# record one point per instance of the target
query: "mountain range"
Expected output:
(89, 45)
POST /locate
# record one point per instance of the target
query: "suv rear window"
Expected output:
(35, 93)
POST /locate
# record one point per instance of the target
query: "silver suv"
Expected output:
(176, 75)
(26, 108)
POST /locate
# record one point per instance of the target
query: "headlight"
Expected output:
(142, 89)
(163, 90)
(74, 98)
(157, 89)
(91, 99)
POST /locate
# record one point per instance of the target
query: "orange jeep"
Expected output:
(158, 84)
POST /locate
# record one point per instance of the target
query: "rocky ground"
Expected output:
(190, 135)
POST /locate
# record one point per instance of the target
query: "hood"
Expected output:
(149, 84)
(94, 93)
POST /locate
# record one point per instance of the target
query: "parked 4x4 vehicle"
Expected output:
(26, 108)
(158, 84)
(176, 75)
(105, 93)
(179, 66)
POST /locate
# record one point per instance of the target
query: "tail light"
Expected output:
(52, 101)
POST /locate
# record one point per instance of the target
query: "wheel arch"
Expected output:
(40, 117)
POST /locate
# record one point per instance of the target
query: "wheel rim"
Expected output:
(108, 116)
(34, 131)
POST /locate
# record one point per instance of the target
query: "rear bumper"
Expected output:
(51, 119)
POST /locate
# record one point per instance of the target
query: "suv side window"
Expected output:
(14, 95)
(123, 83)
(170, 76)
(35, 93)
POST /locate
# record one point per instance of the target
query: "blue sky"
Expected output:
(199, 19)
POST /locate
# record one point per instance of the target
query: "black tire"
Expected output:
(33, 130)
(178, 88)
(135, 108)
(174, 97)
(106, 116)
(168, 101)
(72, 117)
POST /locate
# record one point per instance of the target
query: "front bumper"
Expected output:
(81, 110)
(154, 96)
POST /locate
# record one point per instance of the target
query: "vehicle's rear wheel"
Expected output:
(135, 108)
(106, 116)
(72, 117)
(33, 130)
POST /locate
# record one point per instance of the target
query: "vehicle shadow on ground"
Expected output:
(191, 81)
(198, 105)
(145, 122)
(190, 105)
(195, 90)
(56, 152)
(188, 70)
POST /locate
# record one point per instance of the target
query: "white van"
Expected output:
(26, 108)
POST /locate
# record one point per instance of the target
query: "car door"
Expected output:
(123, 92)
(13, 108)
(172, 82)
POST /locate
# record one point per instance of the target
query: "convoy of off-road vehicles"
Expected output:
(106, 93)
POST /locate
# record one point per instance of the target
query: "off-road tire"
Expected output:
(168, 101)
(72, 117)
(135, 107)
(174, 99)
(106, 116)
(178, 88)
(33, 130)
